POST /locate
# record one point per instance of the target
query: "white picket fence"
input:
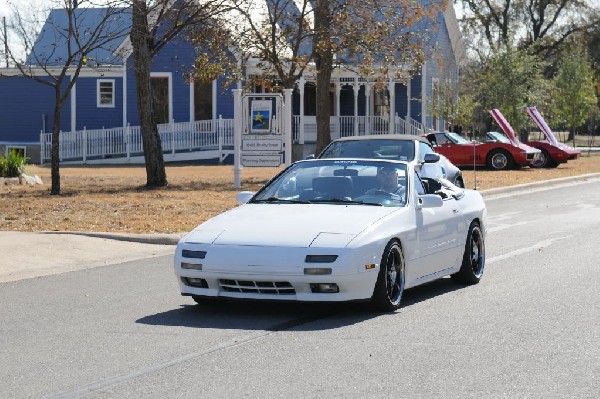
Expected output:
(125, 143)
(209, 139)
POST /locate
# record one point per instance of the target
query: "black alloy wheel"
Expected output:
(473, 261)
(390, 281)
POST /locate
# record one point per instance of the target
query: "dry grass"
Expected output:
(113, 199)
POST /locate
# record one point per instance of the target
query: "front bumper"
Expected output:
(289, 288)
(262, 274)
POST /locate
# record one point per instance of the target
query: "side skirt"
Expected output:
(431, 277)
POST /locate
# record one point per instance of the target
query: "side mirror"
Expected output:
(244, 197)
(311, 156)
(431, 158)
(429, 201)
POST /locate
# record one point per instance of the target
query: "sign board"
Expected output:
(262, 131)
(262, 143)
(261, 160)
(261, 115)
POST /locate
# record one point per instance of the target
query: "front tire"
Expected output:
(499, 159)
(390, 280)
(544, 160)
(473, 262)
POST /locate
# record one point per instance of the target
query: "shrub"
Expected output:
(12, 164)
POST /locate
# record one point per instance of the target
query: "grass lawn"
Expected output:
(113, 199)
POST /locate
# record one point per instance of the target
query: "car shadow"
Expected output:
(298, 316)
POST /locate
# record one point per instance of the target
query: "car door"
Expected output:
(437, 234)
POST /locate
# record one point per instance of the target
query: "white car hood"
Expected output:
(288, 225)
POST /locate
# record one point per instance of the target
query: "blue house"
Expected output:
(99, 123)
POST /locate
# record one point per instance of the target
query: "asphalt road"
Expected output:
(529, 329)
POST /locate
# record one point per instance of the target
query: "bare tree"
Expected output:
(543, 25)
(378, 40)
(288, 38)
(70, 35)
(154, 24)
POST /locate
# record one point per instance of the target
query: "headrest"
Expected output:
(329, 184)
(345, 172)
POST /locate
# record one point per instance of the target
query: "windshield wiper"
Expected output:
(345, 201)
(275, 200)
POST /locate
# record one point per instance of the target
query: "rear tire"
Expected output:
(390, 280)
(473, 261)
(499, 159)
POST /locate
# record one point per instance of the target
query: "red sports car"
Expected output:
(494, 155)
(553, 152)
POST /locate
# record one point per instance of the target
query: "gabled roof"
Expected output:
(456, 39)
(51, 46)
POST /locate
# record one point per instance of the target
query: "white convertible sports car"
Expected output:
(336, 230)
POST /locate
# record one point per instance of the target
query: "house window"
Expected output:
(310, 99)
(160, 99)
(203, 101)
(382, 103)
(22, 151)
(106, 93)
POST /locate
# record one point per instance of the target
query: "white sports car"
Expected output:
(336, 230)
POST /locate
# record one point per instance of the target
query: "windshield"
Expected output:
(347, 182)
(397, 150)
(456, 138)
(496, 136)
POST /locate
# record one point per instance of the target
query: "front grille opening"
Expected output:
(257, 287)
(195, 282)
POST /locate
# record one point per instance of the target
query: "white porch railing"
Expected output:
(345, 126)
(126, 142)
(180, 141)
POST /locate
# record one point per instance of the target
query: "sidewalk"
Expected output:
(28, 255)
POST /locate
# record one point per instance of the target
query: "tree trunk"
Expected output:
(324, 64)
(571, 135)
(153, 155)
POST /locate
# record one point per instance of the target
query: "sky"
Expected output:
(6, 11)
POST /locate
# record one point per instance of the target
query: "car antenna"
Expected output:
(474, 167)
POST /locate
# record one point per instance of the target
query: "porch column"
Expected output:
(367, 108)
(338, 90)
(124, 93)
(301, 83)
(408, 97)
(191, 95)
(73, 95)
(355, 89)
(392, 91)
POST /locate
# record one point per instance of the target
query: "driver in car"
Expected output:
(387, 180)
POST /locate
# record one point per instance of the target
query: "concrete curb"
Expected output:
(173, 239)
(156, 239)
(588, 149)
(545, 183)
